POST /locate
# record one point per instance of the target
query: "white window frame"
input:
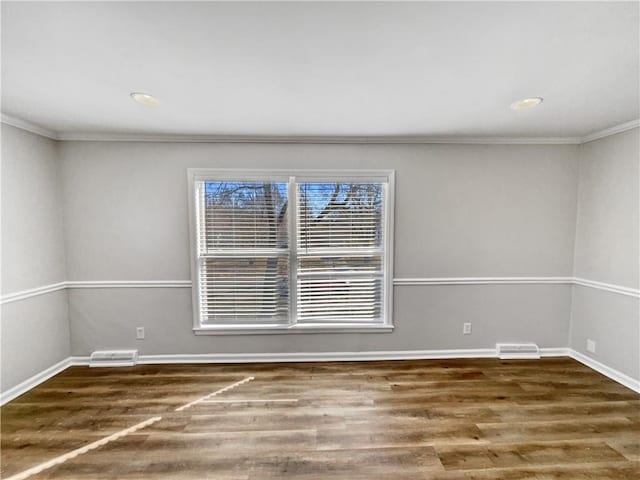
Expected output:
(292, 177)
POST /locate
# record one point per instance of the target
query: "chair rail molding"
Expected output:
(129, 284)
(397, 282)
(481, 281)
(32, 292)
(607, 287)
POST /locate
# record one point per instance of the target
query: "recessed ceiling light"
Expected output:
(526, 103)
(145, 99)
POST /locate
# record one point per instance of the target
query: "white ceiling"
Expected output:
(326, 69)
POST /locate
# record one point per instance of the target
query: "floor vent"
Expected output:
(113, 358)
(508, 351)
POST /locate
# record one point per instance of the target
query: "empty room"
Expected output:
(320, 240)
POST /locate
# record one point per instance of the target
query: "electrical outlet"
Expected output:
(140, 333)
(466, 329)
(591, 346)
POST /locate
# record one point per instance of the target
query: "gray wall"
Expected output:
(607, 250)
(461, 211)
(34, 331)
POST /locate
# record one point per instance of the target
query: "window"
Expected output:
(297, 251)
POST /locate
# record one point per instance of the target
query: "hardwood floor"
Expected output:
(467, 419)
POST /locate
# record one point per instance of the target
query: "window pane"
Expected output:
(248, 272)
(243, 242)
(244, 290)
(315, 265)
(243, 215)
(340, 279)
(339, 299)
(340, 216)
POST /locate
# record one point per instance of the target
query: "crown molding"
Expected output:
(284, 139)
(383, 139)
(623, 127)
(29, 127)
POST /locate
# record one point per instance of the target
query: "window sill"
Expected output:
(286, 329)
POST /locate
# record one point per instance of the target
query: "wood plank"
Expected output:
(460, 419)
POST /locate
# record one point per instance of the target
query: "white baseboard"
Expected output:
(306, 356)
(34, 381)
(607, 371)
(79, 361)
(554, 352)
(321, 357)
(325, 356)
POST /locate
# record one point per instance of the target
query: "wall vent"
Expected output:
(113, 358)
(508, 351)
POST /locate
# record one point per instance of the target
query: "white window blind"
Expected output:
(243, 252)
(305, 251)
(340, 252)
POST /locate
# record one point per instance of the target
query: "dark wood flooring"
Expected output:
(479, 419)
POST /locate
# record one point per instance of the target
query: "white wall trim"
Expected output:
(34, 381)
(381, 139)
(607, 287)
(482, 281)
(623, 127)
(32, 292)
(398, 282)
(325, 356)
(28, 126)
(129, 284)
(552, 352)
(607, 371)
(336, 356)
(372, 140)
(308, 356)
(545, 352)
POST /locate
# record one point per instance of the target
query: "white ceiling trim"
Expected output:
(315, 139)
(623, 127)
(108, 137)
(29, 127)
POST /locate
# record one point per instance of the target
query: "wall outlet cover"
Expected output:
(466, 329)
(140, 333)
(591, 346)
